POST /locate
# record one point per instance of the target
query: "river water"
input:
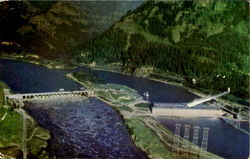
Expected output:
(79, 128)
(22, 77)
(83, 128)
(158, 91)
(223, 139)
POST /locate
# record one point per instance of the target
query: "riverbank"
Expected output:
(19, 133)
(233, 123)
(145, 131)
(178, 81)
(35, 59)
(171, 78)
(136, 83)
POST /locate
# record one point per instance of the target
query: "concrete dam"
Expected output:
(31, 96)
(182, 110)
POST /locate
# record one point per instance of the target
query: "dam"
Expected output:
(182, 110)
(31, 96)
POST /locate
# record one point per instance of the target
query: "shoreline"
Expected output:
(39, 63)
(149, 122)
(99, 67)
(157, 80)
(152, 122)
(31, 131)
(230, 122)
(181, 85)
(199, 93)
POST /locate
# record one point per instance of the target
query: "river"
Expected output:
(79, 128)
(22, 77)
(83, 128)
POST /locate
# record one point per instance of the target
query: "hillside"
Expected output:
(48, 28)
(202, 40)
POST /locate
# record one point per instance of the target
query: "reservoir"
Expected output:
(22, 77)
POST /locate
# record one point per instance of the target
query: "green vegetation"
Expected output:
(175, 78)
(10, 128)
(11, 134)
(146, 132)
(146, 139)
(49, 29)
(202, 40)
(11, 131)
(86, 76)
(2, 86)
(142, 105)
(119, 94)
(10, 123)
(157, 142)
(124, 107)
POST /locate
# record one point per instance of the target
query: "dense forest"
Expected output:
(202, 40)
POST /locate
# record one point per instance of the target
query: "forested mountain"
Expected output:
(48, 28)
(202, 40)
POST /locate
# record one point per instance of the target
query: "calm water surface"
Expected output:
(223, 139)
(29, 78)
(158, 92)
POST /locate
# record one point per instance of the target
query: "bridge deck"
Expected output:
(47, 94)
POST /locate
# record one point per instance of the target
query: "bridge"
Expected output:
(30, 96)
(182, 110)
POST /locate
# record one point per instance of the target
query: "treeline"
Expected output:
(212, 69)
(104, 49)
(216, 60)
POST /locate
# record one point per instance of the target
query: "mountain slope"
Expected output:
(48, 28)
(202, 40)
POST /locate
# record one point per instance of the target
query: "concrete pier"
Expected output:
(204, 139)
(186, 131)
(196, 135)
(176, 144)
(186, 135)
